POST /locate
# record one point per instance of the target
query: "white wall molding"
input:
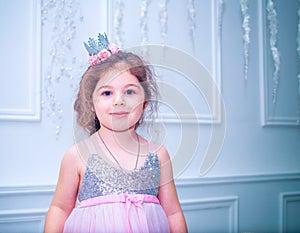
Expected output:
(184, 182)
(20, 198)
(17, 190)
(27, 215)
(31, 111)
(286, 201)
(229, 204)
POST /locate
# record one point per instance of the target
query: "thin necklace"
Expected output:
(138, 154)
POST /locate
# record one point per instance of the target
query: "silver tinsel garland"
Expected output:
(272, 17)
(64, 16)
(144, 21)
(246, 37)
(163, 19)
(220, 16)
(118, 23)
(192, 22)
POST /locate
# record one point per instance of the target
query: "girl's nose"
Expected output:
(118, 100)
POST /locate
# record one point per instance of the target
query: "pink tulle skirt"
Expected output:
(118, 213)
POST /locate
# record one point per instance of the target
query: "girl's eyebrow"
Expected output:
(132, 84)
(103, 87)
(111, 87)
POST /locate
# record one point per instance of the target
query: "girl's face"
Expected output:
(118, 101)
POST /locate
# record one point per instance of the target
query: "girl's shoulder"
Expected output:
(78, 153)
(72, 156)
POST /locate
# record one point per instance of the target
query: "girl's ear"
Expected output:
(92, 108)
(145, 104)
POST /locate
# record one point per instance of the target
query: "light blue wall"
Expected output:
(254, 185)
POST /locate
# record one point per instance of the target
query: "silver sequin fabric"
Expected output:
(102, 178)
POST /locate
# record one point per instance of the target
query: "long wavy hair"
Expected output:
(121, 61)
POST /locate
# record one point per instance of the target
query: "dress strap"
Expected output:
(151, 147)
(86, 148)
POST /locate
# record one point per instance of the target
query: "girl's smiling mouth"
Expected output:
(119, 114)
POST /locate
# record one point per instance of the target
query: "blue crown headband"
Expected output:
(100, 50)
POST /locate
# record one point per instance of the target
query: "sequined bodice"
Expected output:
(102, 178)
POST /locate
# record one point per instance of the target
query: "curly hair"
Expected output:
(127, 61)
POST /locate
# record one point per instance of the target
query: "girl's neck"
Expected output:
(126, 136)
(118, 145)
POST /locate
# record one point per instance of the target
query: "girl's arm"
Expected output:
(66, 193)
(168, 196)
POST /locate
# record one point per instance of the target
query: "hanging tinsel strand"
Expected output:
(144, 21)
(118, 23)
(246, 36)
(191, 22)
(163, 20)
(144, 25)
(64, 16)
(272, 17)
(220, 16)
(298, 50)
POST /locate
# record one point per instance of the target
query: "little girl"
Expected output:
(115, 180)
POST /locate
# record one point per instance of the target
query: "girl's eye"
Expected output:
(106, 93)
(130, 92)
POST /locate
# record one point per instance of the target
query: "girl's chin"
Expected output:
(118, 128)
(121, 124)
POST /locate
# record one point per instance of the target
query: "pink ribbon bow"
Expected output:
(136, 200)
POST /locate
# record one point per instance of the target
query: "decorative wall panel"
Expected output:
(280, 94)
(23, 209)
(290, 212)
(223, 212)
(195, 38)
(30, 220)
(20, 62)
